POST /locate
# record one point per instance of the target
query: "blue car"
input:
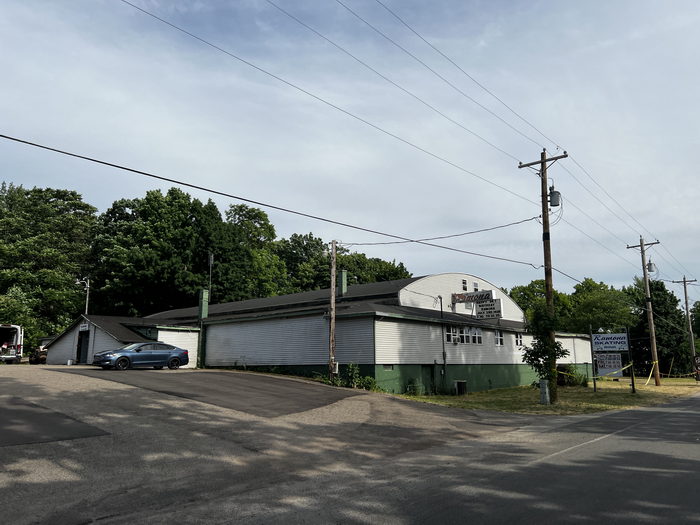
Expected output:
(142, 355)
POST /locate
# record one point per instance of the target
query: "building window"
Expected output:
(451, 334)
(476, 336)
(465, 285)
(388, 367)
(464, 336)
(476, 287)
(518, 339)
(499, 338)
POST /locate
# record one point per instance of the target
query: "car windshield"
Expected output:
(131, 346)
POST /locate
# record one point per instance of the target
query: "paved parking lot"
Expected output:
(86, 446)
(257, 394)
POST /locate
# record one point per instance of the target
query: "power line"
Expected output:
(384, 77)
(327, 103)
(443, 236)
(348, 113)
(466, 74)
(263, 204)
(458, 90)
(451, 61)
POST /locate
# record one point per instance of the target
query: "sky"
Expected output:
(341, 110)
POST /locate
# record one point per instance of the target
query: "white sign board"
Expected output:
(610, 343)
(473, 297)
(489, 309)
(608, 363)
(84, 327)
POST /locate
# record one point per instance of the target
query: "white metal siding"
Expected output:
(186, 339)
(354, 340)
(100, 341)
(63, 349)
(293, 341)
(401, 342)
(424, 293)
(579, 349)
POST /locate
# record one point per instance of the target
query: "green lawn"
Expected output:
(611, 395)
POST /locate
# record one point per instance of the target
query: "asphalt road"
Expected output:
(140, 455)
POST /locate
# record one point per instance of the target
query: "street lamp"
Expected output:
(85, 281)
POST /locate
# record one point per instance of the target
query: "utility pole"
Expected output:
(650, 313)
(548, 281)
(691, 338)
(331, 331)
(86, 284)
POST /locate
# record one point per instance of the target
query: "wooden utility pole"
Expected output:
(331, 331)
(548, 281)
(650, 313)
(691, 338)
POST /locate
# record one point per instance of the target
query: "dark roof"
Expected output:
(358, 292)
(373, 308)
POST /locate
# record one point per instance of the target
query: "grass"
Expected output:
(611, 395)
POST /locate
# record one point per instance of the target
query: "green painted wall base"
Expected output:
(424, 379)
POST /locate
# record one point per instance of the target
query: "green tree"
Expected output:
(543, 354)
(531, 296)
(598, 305)
(45, 247)
(669, 324)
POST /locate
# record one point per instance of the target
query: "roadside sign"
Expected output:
(609, 342)
(607, 363)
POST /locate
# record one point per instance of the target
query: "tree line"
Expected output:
(596, 306)
(153, 253)
(150, 254)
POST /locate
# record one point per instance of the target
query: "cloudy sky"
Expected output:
(388, 134)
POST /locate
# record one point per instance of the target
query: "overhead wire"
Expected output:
(446, 57)
(475, 81)
(345, 51)
(260, 203)
(434, 72)
(328, 103)
(444, 236)
(390, 81)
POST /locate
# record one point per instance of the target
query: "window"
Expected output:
(464, 335)
(499, 337)
(465, 285)
(518, 339)
(388, 367)
(451, 334)
(476, 287)
(476, 336)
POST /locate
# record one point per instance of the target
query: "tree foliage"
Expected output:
(45, 246)
(669, 324)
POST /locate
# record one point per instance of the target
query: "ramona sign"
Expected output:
(610, 343)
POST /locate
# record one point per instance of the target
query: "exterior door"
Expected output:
(426, 372)
(83, 345)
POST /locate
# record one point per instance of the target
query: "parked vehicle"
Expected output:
(38, 356)
(11, 341)
(142, 355)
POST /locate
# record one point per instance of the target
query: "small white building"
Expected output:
(90, 334)
(421, 333)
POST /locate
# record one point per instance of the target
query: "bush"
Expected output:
(568, 375)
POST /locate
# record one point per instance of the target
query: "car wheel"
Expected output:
(122, 363)
(174, 363)
(159, 367)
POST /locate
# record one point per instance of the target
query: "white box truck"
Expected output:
(11, 341)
